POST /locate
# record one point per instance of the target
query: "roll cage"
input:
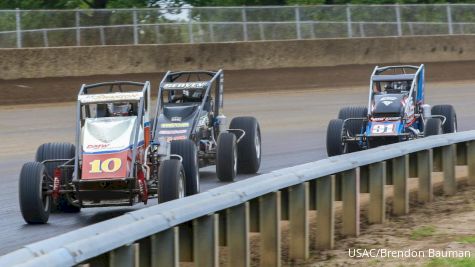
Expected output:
(414, 74)
(112, 92)
(172, 81)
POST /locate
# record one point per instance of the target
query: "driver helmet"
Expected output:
(194, 95)
(119, 109)
(398, 86)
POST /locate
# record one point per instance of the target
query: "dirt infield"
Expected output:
(41, 90)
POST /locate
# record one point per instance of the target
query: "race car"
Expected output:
(189, 111)
(396, 112)
(113, 163)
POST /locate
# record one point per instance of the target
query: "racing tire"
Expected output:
(187, 150)
(35, 205)
(226, 157)
(433, 126)
(171, 180)
(353, 127)
(58, 151)
(249, 147)
(448, 111)
(335, 145)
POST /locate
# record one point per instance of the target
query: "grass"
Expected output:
(467, 239)
(452, 262)
(423, 231)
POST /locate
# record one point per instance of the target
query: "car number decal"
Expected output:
(383, 128)
(108, 165)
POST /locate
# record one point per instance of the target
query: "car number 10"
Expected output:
(383, 128)
(108, 165)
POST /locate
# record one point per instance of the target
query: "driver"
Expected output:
(397, 86)
(119, 109)
(192, 96)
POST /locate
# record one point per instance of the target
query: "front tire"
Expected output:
(226, 157)
(448, 111)
(171, 180)
(335, 144)
(354, 126)
(433, 126)
(35, 205)
(249, 147)
(187, 150)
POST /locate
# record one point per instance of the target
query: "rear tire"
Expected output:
(187, 150)
(335, 145)
(433, 126)
(448, 111)
(171, 180)
(35, 206)
(226, 157)
(249, 147)
(355, 126)
(59, 151)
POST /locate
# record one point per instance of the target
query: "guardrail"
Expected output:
(186, 24)
(193, 228)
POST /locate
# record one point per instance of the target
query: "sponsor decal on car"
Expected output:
(176, 118)
(172, 131)
(179, 137)
(104, 166)
(384, 128)
(188, 85)
(97, 146)
(175, 125)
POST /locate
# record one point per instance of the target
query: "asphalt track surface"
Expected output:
(293, 125)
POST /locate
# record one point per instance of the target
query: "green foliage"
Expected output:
(423, 231)
(467, 239)
(455, 262)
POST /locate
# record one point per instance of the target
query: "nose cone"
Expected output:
(388, 104)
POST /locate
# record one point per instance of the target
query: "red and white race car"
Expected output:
(114, 162)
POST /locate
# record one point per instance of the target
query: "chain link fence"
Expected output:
(46, 28)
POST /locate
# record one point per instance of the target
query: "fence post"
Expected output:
(297, 22)
(103, 35)
(244, 23)
(449, 19)
(377, 197)
(471, 162)
(350, 185)
(165, 251)
(123, 256)
(269, 224)
(45, 38)
(400, 172)
(261, 31)
(325, 212)
(348, 20)
(78, 29)
(298, 216)
(205, 240)
(424, 173)
(398, 19)
(190, 29)
(237, 231)
(136, 29)
(362, 33)
(211, 32)
(18, 28)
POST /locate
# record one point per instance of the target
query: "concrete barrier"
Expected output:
(110, 60)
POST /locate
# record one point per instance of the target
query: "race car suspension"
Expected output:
(56, 183)
(142, 185)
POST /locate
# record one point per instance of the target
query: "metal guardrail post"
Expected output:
(462, 153)
(325, 212)
(413, 165)
(45, 38)
(211, 32)
(338, 187)
(102, 35)
(222, 227)
(269, 221)
(298, 216)
(400, 172)
(123, 256)
(165, 249)
(398, 19)
(449, 19)
(19, 42)
(254, 215)
(448, 163)
(297, 23)
(186, 242)
(205, 240)
(136, 28)
(389, 172)
(145, 252)
(362, 33)
(237, 232)
(244, 24)
(424, 173)
(284, 204)
(78, 29)
(261, 31)
(471, 162)
(377, 196)
(312, 195)
(190, 28)
(348, 21)
(351, 202)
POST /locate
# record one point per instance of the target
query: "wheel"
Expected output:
(35, 205)
(59, 151)
(433, 126)
(187, 150)
(448, 111)
(249, 147)
(171, 180)
(335, 146)
(354, 126)
(226, 157)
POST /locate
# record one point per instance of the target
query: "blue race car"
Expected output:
(396, 112)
